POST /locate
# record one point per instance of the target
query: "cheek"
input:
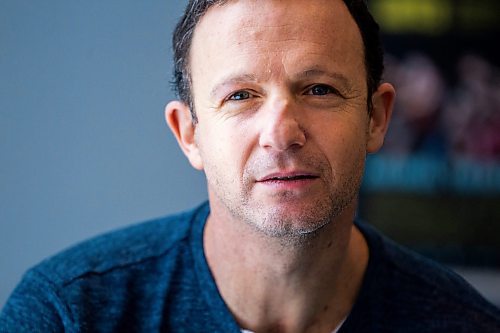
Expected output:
(345, 147)
(224, 147)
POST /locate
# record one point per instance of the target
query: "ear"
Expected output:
(382, 105)
(178, 117)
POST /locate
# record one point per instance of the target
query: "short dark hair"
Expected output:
(183, 36)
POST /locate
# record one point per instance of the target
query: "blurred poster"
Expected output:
(436, 183)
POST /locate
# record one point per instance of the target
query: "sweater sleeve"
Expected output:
(34, 306)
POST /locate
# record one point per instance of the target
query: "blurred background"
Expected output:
(435, 186)
(84, 148)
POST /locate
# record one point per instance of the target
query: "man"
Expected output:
(280, 101)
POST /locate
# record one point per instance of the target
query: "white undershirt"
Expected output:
(334, 331)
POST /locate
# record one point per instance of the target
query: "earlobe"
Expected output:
(178, 118)
(382, 106)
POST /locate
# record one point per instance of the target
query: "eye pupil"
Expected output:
(320, 90)
(240, 95)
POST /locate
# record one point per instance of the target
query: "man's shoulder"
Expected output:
(139, 278)
(407, 285)
(125, 247)
(419, 275)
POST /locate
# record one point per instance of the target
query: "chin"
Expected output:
(289, 223)
(306, 217)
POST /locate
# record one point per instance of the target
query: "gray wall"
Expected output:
(84, 148)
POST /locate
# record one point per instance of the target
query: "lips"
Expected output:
(287, 176)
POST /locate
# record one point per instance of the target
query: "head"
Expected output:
(282, 129)
(183, 36)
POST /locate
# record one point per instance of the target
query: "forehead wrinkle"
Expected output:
(240, 33)
(263, 32)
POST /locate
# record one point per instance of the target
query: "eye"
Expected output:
(239, 96)
(320, 90)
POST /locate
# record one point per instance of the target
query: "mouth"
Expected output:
(287, 177)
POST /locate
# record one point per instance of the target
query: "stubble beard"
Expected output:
(297, 227)
(301, 227)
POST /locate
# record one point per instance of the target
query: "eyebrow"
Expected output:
(232, 79)
(240, 78)
(344, 80)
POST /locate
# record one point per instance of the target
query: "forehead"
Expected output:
(263, 35)
(230, 19)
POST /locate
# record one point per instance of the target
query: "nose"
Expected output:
(281, 128)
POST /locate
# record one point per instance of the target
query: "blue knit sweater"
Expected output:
(153, 277)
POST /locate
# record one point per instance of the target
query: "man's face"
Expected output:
(280, 93)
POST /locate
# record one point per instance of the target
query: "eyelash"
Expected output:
(330, 90)
(248, 95)
(239, 92)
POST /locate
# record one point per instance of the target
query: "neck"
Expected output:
(275, 286)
